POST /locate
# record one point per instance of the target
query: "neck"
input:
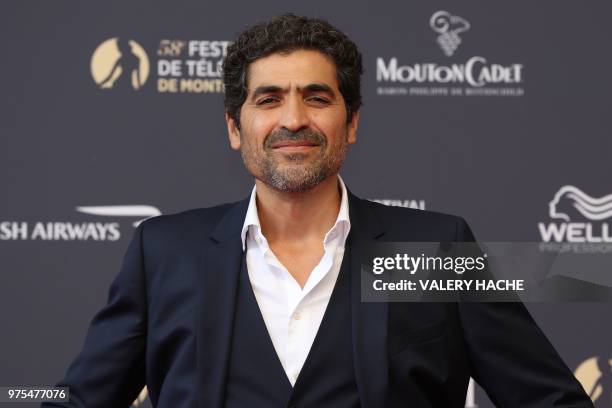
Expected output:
(298, 216)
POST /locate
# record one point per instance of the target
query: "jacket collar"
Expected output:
(364, 221)
(218, 285)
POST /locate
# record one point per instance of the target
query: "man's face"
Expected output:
(293, 124)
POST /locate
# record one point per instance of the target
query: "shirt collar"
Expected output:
(252, 218)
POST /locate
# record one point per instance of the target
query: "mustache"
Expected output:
(302, 135)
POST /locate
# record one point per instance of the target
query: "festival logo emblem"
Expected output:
(142, 397)
(595, 375)
(120, 63)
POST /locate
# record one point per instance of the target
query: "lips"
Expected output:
(290, 144)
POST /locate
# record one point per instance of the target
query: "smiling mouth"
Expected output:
(294, 146)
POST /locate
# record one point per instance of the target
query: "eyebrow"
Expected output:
(310, 88)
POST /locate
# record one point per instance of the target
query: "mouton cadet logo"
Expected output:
(448, 27)
(471, 76)
(578, 218)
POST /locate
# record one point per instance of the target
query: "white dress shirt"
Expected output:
(293, 315)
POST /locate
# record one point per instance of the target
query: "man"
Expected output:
(257, 303)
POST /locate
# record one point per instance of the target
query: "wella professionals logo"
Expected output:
(595, 375)
(120, 63)
(448, 27)
(576, 217)
(571, 199)
(473, 75)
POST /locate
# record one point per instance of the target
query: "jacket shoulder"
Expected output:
(409, 224)
(196, 223)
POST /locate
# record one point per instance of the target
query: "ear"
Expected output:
(233, 132)
(352, 128)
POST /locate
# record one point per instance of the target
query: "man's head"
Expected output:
(292, 98)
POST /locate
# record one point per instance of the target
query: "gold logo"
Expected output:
(142, 397)
(595, 375)
(120, 63)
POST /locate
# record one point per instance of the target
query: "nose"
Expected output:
(294, 114)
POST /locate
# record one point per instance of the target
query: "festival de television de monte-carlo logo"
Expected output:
(181, 66)
(458, 72)
(578, 222)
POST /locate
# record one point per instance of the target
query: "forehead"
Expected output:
(298, 68)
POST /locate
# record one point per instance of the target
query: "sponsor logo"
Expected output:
(472, 76)
(182, 66)
(595, 375)
(578, 218)
(120, 63)
(595, 209)
(418, 204)
(142, 397)
(77, 231)
(448, 27)
(145, 211)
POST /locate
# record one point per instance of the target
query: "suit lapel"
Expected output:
(369, 320)
(218, 284)
(218, 288)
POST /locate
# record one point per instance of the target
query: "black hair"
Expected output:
(285, 34)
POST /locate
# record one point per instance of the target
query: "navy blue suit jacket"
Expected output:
(168, 324)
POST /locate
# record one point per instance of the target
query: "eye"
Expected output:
(267, 101)
(317, 100)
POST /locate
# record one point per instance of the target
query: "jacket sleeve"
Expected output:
(110, 369)
(510, 356)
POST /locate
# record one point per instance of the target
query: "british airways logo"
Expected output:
(108, 229)
(142, 212)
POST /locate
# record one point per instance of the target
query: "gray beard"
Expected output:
(303, 175)
(296, 179)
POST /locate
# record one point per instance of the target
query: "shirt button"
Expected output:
(297, 316)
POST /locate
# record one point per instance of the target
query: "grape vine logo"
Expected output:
(448, 28)
(577, 218)
(120, 63)
(476, 75)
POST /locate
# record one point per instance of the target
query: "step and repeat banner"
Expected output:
(113, 112)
